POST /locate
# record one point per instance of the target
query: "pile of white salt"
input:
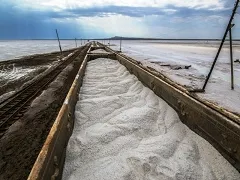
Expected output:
(124, 131)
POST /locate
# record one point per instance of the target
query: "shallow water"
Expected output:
(14, 49)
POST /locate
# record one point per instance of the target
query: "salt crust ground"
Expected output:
(124, 131)
(13, 77)
(18, 48)
(200, 56)
(99, 51)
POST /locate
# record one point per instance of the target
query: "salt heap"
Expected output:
(124, 131)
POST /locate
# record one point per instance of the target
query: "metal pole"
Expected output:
(120, 44)
(81, 41)
(59, 42)
(223, 39)
(76, 41)
(231, 58)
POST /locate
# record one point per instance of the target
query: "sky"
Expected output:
(38, 19)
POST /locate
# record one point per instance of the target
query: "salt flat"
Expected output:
(124, 131)
(17, 48)
(199, 55)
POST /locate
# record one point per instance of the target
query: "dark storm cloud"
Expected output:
(133, 11)
(16, 23)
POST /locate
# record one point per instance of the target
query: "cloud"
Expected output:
(136, 11)
(116, 25)
(134, 8)
(21, 24)
(104, 18)
(65, 4)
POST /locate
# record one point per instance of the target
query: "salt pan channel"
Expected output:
(124, 131)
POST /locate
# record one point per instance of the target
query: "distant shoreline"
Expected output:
(132, 39)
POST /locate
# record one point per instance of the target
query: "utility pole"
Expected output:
(59, 42)
(220, 48)
(231, 57)
(121, 44)
(76, 41)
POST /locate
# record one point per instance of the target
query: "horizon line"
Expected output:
(119, 38)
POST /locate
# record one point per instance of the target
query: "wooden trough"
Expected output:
(220, 128)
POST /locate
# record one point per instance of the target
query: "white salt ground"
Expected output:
(199, 55)
(124, 131)
(99, 51)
